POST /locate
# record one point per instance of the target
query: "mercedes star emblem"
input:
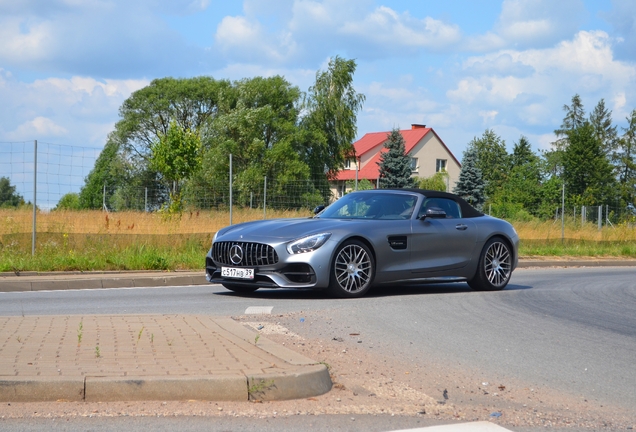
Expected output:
(236, 254)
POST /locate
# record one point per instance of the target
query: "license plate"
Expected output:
(237, 273)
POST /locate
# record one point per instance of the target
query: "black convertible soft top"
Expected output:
(468, 211)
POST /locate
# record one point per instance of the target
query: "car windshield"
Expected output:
(388, 206)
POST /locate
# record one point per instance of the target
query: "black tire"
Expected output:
(240, 288)
(352, 270)
(494, 268)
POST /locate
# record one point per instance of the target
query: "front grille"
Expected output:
(253, 254)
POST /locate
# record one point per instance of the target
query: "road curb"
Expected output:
(9, 282)
(215, 388)
(41, 389)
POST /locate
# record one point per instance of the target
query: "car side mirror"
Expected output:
(434, 213)
(318, 209)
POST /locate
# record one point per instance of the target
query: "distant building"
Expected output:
(428, 152)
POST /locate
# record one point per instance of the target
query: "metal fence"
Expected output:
(43, 173)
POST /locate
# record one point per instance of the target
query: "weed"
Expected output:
(258, 389)
(19, 339)
(140, 333)
(327, 365)
(170, 342)
(80, 332)
(256, 339)
(152, 338)
(97, 353)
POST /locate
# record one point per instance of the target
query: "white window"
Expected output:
(440, 165)
(413, 164)
(347, 164)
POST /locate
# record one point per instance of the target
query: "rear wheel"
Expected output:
(239, 288)
(352, 270)
(494, 268)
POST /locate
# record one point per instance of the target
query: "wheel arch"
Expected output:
(509, 243)
(359, 238)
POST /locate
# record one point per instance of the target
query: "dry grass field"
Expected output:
(99, 222)
(96, 240)
(208, 222)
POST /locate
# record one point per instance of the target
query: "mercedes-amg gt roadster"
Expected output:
(368, 238)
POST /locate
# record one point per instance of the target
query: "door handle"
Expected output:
(461, 227)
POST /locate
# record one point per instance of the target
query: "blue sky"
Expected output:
(459, 66)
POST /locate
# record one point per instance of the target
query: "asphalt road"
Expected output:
(571, 330)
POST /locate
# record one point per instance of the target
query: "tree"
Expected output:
(330, 123)
(147, 113)
(363, 184)
(8, 196)
(492, 160)
(626, 158)
(574, 117)
(470, 185)
(108, 173)
(177, 154)
(261, 134)
(587, 172)
(520, 193)
(69, 201)
(522, 153)
(395, 164)
(601, 120)
(436, 182)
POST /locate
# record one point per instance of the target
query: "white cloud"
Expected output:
(525, 23)
(488, 116)
(100, 38)
(78, 110)
(311, 30)
(39, 126)
(386, 28)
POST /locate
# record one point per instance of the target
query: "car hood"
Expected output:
(278, 229)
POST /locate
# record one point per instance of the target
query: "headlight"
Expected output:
(308, 244)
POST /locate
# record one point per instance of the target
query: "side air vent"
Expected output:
(398, 242)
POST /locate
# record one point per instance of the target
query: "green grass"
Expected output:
(577, 248)
(83, 252)
(107, 251)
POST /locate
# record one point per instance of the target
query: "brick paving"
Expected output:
(140, 347)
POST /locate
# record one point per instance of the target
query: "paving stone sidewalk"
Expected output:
(148, 357)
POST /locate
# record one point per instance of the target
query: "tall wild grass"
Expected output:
(96, 240)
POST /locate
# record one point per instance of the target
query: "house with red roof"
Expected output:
(428, 153)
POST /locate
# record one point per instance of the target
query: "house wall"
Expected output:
(427, 151)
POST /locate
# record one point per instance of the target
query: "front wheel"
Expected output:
(352, 270)
(240, 288)
(494, 268)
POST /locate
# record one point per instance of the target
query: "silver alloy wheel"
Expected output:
(353, 268)
(498, 264)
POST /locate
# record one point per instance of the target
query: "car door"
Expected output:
(440, 244)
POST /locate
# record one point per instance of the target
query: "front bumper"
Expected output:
(283, 275)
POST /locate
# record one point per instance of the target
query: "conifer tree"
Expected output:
(470, 185)
(395, 164)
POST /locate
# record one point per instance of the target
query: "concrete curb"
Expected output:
(9, 282)
(215, 388)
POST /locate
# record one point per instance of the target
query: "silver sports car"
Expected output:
(368, 238)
